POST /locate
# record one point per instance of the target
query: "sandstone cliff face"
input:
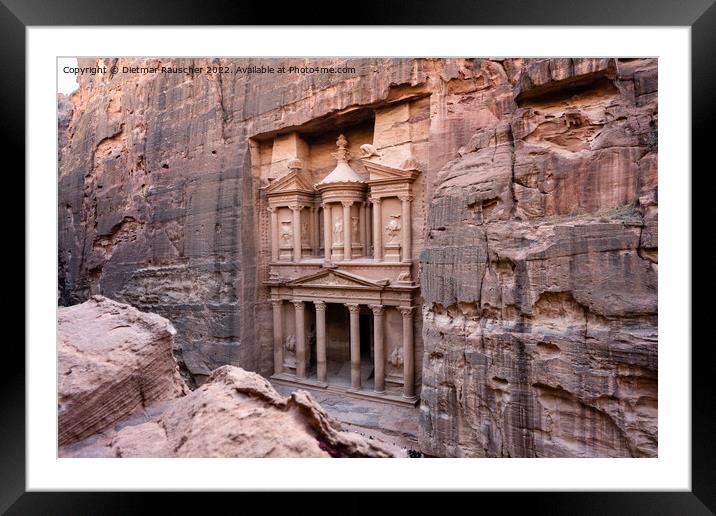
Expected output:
(540, 270)
(112, 360)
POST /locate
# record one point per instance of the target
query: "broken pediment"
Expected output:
(293, 182)
(380, 173)
(333, 278)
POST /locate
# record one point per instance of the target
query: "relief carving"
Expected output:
(330, 280)
(286, 232)
(338, 232)
(290, 343)
(396, 358)
(304, 231)
(369, 150)
(354, 228)
(404, 277)
(392, 229)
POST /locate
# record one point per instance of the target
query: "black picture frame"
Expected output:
(700, 15)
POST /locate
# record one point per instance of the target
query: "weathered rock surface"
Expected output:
(112, 360)
(539, 274)
(236, 413)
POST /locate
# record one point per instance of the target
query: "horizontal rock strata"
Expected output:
(540, 271)
(112, 360)
(238, 414)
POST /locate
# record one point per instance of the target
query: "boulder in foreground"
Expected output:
(112, 361)
(237, 413)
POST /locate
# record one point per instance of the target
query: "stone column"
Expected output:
(316, 225)
(321, 340)
(347, 231)
(368, 229)
(361, 227)
(274, 233)
(277, 336)
(354, 310)
(378, 348)
(299, 309)
(408, 352)
(327, 231)
(296, 232)
(407, 220)
(377, 231)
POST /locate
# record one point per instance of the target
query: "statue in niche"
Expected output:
(286, 233)
(290, 343)
(354, 228)
(396, 358)
(338, 232)
(304, 231)
(311, 342)
(392, 228)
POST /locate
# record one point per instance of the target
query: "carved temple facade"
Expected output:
(341, 273)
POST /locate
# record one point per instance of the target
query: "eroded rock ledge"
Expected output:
(113, 360)
(238, 414)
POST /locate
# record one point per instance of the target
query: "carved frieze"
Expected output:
(331, 280)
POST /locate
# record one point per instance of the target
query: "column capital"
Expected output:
(299, 305)
(272, 209)
(296, 207)
(353, 307)
(347, 204)
(405, 197)
(320, 305)
(377, 309)
(277, 303)
(406, 311)
(375, 200)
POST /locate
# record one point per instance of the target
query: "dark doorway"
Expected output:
(366, 349)
(366, 337)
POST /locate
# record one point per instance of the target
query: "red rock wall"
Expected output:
(540, 269)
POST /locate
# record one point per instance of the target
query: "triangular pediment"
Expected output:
(380, 172)
(334, 278)
(291, 183)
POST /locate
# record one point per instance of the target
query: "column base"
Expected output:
(313, 384)
(291, 379)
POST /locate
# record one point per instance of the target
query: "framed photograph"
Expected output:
(432, 242)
